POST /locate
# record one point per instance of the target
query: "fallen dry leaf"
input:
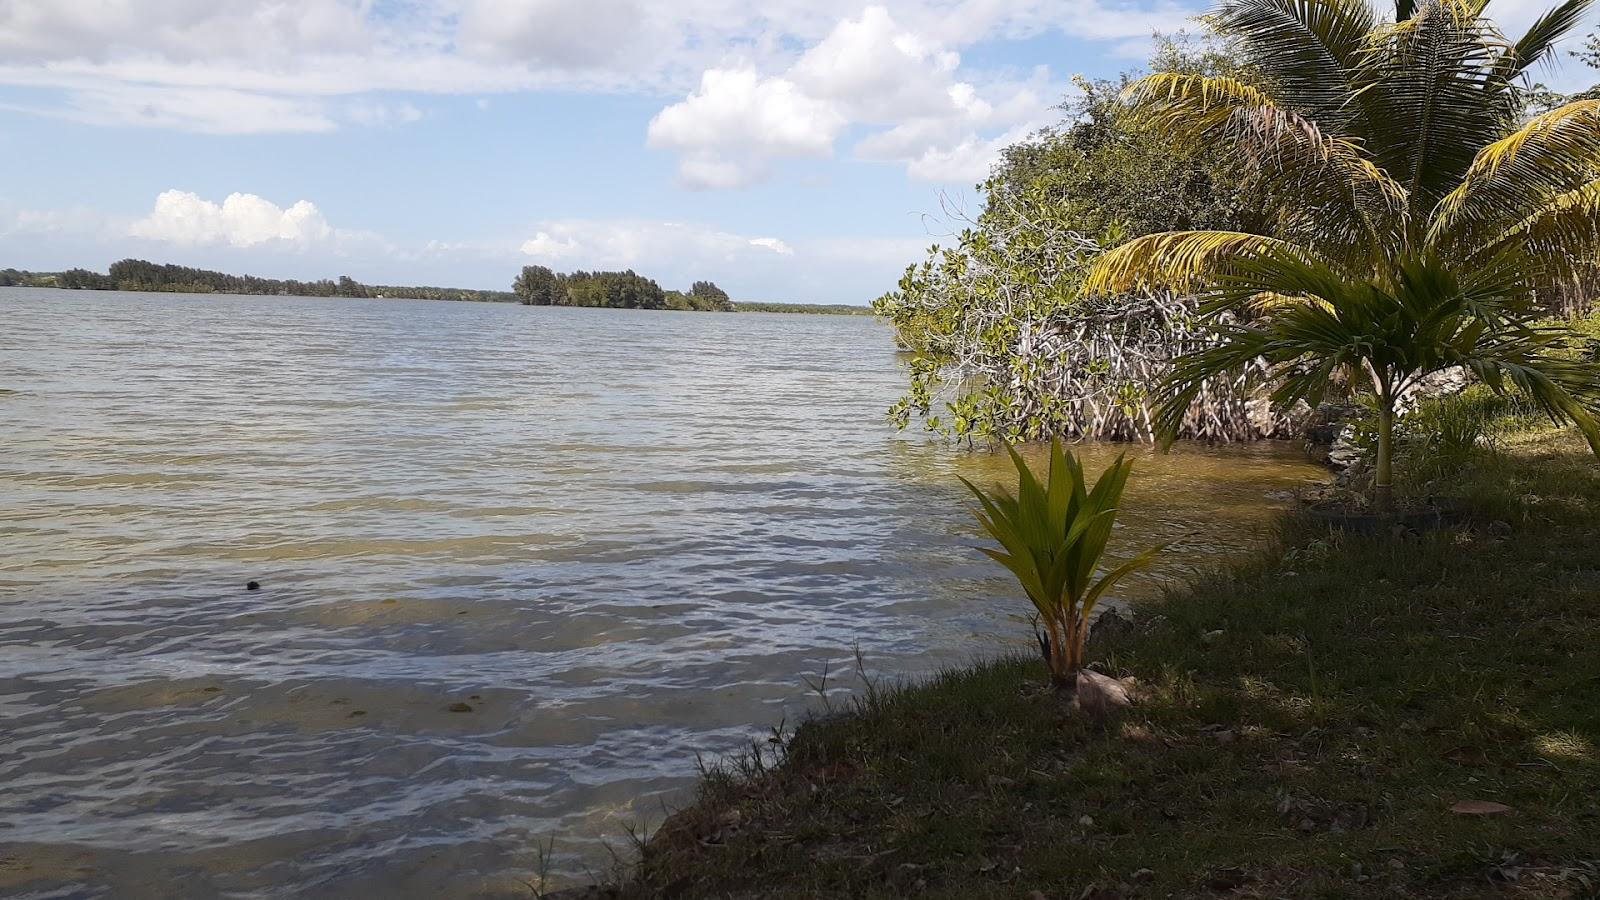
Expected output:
(1480, 808)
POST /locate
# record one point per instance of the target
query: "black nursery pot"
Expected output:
(1439, 513)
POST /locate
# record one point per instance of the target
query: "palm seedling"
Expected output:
(1052, 535)
(1420, 214)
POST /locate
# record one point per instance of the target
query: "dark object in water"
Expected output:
(461, 707)
(253, 586)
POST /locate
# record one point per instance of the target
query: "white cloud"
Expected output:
(868, 71)
(318, 48)
(560, 33)
(736, 120)
(203, 110)
(248, 66)
(967, 162)
(380, 114)
(773, 244)
(180, 30)
(650, 245)
(251, 66)
(878, 71)
(54, 224)
(549, 249)
(241, 220)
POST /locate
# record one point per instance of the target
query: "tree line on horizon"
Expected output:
(535, 286)
(542, 286)
(142, 275)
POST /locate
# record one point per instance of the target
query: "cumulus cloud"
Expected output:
(869, 70)
(877, 70)
(559, 33)
(755, 83)
(309, 49)
(182, 31)
(545, 248)
(244, 66)
(968, 161)
(773, 244)
(241, 220)
(736, 120)
(612, 243)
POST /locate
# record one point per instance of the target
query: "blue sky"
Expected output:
(786, 149)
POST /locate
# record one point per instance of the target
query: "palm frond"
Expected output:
(1354, 205)
(1567, 390)
(1174, 260)
(1437, 91)
(1557, 241)
(1540, 39)
(1312, 47)
(1520, 174)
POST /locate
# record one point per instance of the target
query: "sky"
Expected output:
(794, 150)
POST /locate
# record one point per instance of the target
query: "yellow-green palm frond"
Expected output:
(1517, 176)
(1559, 240)
(1356, 205)
(1274, 301)
(1174, 260)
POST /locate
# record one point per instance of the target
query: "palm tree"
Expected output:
(1052, 535)
(1419, 214)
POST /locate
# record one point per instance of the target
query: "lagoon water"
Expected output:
(620, 539)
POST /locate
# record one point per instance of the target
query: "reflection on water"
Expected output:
(518, 567)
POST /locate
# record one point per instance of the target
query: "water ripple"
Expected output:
(619, 538)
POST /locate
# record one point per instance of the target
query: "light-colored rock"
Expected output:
(1100, 695)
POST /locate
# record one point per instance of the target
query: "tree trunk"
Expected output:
(1383, 481)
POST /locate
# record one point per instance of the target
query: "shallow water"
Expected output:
(621, 538)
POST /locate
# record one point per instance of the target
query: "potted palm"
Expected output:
(1420, 214)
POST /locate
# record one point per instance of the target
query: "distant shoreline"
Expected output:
(83, 280)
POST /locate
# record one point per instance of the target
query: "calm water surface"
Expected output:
(619, 538)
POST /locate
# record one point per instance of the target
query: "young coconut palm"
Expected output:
(1053, 535)
(1419, 215)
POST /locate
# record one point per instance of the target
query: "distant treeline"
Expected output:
(832, 309)
(536, 286)
(541, 286)
(139, 275)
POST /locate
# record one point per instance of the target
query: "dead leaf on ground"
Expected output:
(1480, 808)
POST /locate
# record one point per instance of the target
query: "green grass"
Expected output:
(1359, 688)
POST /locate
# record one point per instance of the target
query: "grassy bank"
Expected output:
(1308, 722)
